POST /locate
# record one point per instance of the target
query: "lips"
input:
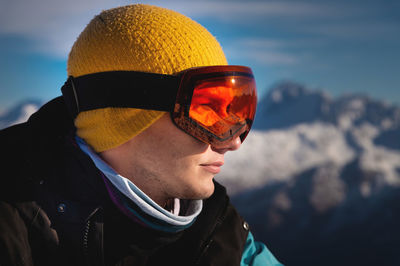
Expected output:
(214, 167)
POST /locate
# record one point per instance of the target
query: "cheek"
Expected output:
(166, 158)
(180, 167)
(179, 147)
(171, 153)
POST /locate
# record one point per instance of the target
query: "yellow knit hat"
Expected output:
(137, 38)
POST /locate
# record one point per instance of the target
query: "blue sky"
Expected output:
(340, 46)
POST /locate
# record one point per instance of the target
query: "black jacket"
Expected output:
(55, 210)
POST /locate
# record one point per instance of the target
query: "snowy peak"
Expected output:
(19, 113)
(289, 104)
(297, 129)
(359, 109)
(287, 91)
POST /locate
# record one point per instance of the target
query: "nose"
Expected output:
(232, 145)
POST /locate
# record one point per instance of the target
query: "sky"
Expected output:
(341, 46)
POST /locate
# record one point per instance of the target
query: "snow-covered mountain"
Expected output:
(19, 113)
(297, 129)
(318, 178)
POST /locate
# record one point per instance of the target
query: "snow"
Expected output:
(27, 111)
(19, 113)
(278, 155)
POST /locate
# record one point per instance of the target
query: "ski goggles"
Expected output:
(214, 104)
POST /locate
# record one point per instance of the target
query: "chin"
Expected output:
(198, 191)
(206, 191)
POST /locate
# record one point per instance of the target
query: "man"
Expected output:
(119, 170)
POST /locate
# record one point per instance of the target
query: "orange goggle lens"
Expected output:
(222, 104)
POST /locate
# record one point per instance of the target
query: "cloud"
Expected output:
(28, 17)
(384, 30)
(261, 43)
(240, 10)
(289, 54)
(262, 50)
(53, 25)
(271, 57)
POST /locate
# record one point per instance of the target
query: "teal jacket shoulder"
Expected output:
(257, 254)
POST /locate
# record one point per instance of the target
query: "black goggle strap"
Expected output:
(120, 89)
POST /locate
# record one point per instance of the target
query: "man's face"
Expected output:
(165, 162)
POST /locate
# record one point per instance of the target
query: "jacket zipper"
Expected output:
(88, 225)
(210, 240)
(86, 240)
